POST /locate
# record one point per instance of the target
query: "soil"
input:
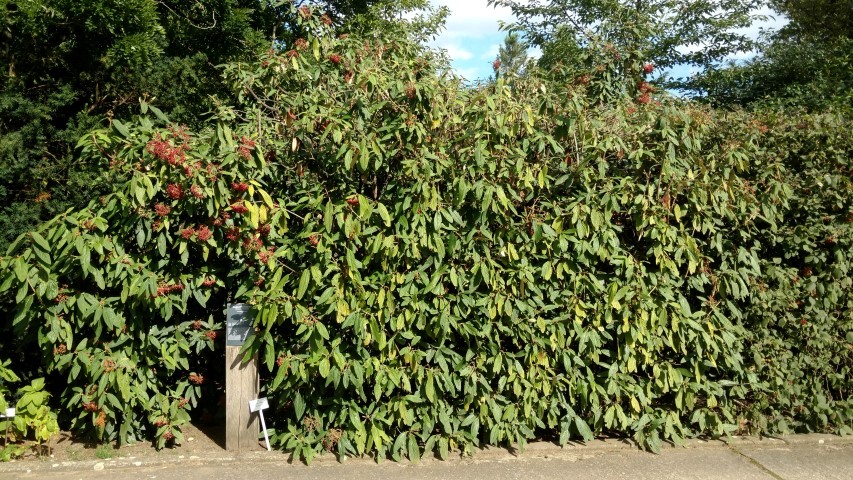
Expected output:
(200, 441)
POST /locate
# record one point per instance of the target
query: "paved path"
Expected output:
(791, 458)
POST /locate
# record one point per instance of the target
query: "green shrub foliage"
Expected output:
(435, 267)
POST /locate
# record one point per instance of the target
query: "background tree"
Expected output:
(807, 63)
(664, 32)
(512, 56)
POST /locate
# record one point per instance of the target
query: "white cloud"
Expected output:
(492, 52)
(455, 51)
(472, 18)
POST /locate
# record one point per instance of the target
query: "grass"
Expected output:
(104, 452)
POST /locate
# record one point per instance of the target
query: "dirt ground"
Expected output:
(201, 441)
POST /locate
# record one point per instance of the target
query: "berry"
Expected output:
(174, 191)
(335, 58)
(162, 210)
(353, 201)
(648, 68)
(203, 233)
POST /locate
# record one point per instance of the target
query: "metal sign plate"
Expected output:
(238, 324)
(259, 404)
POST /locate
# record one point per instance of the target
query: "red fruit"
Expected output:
(196, 192)
(196, 379)
(649, 68)
(203, 233)
(305, 12)
(162, 210)
(803, 321)
(644, 99)
(239, 208)
(188, 233)
(211, 335)
(232, 234)
(496, 65)
(353, 200)
(314, 239)
(208, 282)
(335, 58)
(175, 191)
(326, 20)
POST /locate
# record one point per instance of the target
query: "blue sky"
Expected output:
(472, 36)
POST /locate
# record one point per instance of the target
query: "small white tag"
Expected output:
(259, 404)
(10, 412)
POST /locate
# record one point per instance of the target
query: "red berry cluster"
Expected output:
(314, 239)
(162, 210)
(60, 349)
(89, 225)
(279, 361)
(208, 282)
(253, 244)
(301, 44)
(246, 147)
(188, 233)
(196, 379)
(327, 20)
(160, 422)
(164, 289)
(645, 89)
(232, 234)
(239, 187)
(109, 365)
(648, 68)
(335, 58)
(203, 233)
(266, 255)
(239, 208)
(353, 201)
(210, 335)
(260, 281)
(175, 191)
(165, 151)
(496, 65)
(168, 435)
(304, 11)
(196, 192)
(410, 91)
(264, 230)
(196, 325)
(90, 406)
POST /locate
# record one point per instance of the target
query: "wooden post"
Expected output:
(242, 383)
(241, 386)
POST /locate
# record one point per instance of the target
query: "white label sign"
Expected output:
(10, 412)
(259, 404)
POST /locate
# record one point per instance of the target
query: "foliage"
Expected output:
(664, 32)
(32, 413)
(435, 268)
(512, 56)
(801, 65)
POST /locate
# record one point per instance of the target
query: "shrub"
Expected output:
(434, 267)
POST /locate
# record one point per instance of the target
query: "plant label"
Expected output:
(238, 324)
(10, 412)
(259, 404)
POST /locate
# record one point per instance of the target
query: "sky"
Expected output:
(472, 36)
